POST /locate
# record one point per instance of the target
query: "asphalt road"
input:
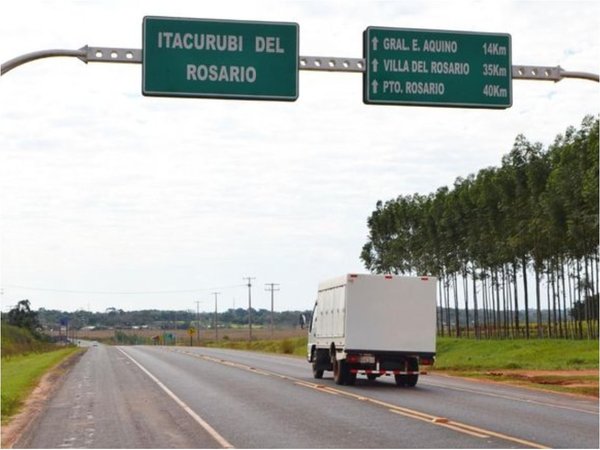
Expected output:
(184, 397)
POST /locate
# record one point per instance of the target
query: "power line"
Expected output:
(69, 291)
(198, 321)
(216, 318)
(249, 306)
(271, 287)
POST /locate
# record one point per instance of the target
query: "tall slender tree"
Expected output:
(536, 213)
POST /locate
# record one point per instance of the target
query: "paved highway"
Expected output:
(184, 397)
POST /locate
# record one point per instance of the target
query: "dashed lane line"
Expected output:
(411, 413)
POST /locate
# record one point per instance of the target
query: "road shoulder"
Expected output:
(38, 400)
(578, 383)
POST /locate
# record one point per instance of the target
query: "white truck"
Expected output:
(373, 325)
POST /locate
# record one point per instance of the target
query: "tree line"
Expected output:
(117, 318)
(510, 238)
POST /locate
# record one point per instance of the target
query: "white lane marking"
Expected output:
(210, 430)
(509, 397)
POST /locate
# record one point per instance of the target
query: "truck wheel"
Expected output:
(411, 380)
(339, 372)
(399, 379)
(317, 373)
(372, 376)
(406, 380)
(350, 378)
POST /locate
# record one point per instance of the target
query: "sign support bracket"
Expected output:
(313, 63)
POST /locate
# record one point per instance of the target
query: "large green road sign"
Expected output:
(437, 68)
(220, 59)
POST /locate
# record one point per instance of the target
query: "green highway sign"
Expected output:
(220, 59)
(407, 66)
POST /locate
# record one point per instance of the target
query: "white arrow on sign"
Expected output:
(374, 85)
(375, 63)
(375, 41)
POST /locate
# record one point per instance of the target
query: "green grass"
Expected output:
(289, 346)
(537, 354)
(21, 373)
(516, 362)
(25, 359)
(17, 341)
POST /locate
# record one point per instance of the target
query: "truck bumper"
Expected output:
(384, 372)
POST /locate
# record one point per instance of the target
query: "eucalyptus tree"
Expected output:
(537, 212)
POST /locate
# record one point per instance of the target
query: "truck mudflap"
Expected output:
(386, 372)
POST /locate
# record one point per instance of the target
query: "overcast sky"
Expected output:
(112, 199)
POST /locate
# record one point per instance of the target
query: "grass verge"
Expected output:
(21, 373)
(17, 341)
(580, 382)
(534, 354)
(289, 346)
(556, 365)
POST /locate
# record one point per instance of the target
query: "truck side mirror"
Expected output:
(302, 321)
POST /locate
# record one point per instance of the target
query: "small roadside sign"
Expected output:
(220, 59)
(192, 331)
(406, 66)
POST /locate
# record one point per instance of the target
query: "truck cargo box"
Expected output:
(388, 319)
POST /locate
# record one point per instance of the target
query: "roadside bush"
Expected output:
(287, 346)
(18, 341)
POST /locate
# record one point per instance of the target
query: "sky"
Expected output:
(112, 199)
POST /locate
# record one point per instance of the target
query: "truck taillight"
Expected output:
(388, 277)
(352, 359)
(426, 361)
(360, 359)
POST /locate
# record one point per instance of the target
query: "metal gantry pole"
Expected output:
(315, 63)
(23, 59)
(85, 54)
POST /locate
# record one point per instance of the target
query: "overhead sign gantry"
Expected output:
(230, 59)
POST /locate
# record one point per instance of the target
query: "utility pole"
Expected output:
(249, 306)
(271, 287)
(216, 318)
(198, 322)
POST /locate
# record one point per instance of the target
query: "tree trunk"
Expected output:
(516, 298)
(448, 323)
(526, 297)
(557, 279)
(456, 316)
(466, 294)
(548, 297)
(476, 307)
(484, 294)
(440, 314)
(538, 301)
(587, 299)
(578, 301)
